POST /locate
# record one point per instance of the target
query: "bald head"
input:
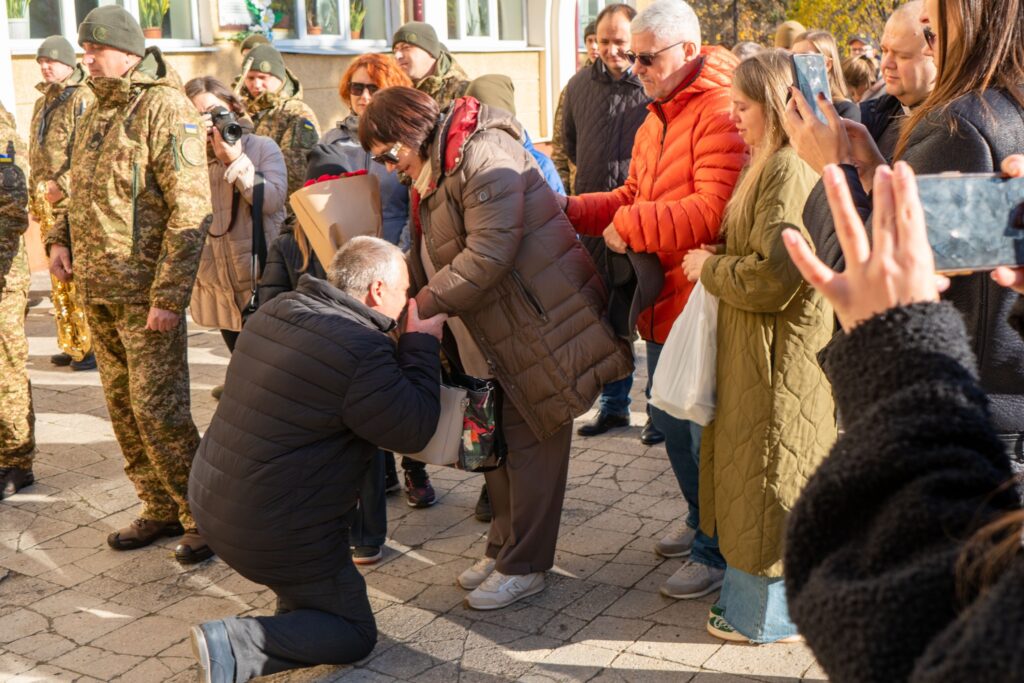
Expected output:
(909, 73)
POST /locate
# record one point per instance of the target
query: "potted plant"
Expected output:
(313, 25)
(17, 19)
(356, 16)
(151, 16)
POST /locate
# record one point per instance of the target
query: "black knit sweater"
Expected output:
(873, 542)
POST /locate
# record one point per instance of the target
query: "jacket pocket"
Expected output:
(531, 298)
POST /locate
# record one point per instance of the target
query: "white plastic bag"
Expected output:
(685, 379)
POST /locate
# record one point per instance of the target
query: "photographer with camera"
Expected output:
(236, 158)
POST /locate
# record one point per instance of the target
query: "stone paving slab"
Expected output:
(73, 610)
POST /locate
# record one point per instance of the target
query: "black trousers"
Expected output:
(324, 622)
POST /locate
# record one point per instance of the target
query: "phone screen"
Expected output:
(811, 76)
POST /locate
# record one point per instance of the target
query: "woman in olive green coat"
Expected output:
(774, 419)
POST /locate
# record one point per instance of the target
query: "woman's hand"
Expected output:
(896, 269)
(1013, 167)
(693, 262)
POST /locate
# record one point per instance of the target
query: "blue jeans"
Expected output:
(369, 519)
(682, 442)
(756, 606)
(615, 396)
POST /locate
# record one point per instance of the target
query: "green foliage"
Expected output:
(754, 20)
(843, 18)
(356, 15)
(151, 12)
(17, 9)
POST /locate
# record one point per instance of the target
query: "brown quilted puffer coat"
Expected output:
(510, 266)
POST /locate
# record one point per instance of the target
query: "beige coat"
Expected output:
(224, 283)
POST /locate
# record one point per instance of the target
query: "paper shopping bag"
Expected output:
(334, 211)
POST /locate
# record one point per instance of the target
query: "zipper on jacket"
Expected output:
(174, 149)
(135, 194)
(530, 298)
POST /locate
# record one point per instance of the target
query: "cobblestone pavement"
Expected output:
(73, 610)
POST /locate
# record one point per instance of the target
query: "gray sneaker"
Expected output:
(677, 543)
(693, 580)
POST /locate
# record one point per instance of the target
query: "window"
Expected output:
(487, 19)
(172, 21)
(588, 11)
(332, 21)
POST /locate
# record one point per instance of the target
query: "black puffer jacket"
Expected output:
(986, 132)
(873, 543)
(601, 116)
(284, 267)
(881, 116)
(314, 386)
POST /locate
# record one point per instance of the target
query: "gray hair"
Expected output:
(908, 13)
(362, 261)
(670, 21)
(746, 49)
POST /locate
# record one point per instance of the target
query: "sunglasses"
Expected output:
(357, 89)
(930, 37)
(647, 58)
(390, 156)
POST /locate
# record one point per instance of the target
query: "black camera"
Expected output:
(227, 124)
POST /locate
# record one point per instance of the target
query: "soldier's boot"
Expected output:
(13, 479)
(192, 549)
(142, 532)
(87, 363)
(61, 360)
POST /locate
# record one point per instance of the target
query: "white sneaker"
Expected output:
(475, 575)
(501, 590)
(693, 580)
(677, 543)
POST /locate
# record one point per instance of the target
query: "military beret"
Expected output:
(421, 35)
(266, 59)
(252, 41)
(111, 25)
(58, 49)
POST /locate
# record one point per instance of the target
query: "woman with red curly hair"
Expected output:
(290, 256)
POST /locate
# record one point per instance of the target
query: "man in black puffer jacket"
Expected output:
(314, 387)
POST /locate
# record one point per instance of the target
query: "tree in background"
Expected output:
(843, 18)
(726, 22)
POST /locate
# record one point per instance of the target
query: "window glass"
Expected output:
(511, 22)
(476, 20)
(375, 19)
(37, 19)
(322, 18)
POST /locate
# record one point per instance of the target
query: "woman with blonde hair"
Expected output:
(824, 43)
(774, 419)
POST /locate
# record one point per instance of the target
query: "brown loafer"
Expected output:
(192, 549)
(142, 532)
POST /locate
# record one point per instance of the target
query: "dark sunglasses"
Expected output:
(647, 58)
(357, 88)
(390, 156)
(929, 37)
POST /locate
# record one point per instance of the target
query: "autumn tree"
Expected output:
(843, 18)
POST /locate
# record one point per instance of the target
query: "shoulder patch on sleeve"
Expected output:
(193, 150)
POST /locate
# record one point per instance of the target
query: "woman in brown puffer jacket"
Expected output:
(492, 249)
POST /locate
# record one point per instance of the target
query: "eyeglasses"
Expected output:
(357, 89)
(647, 58)
(930, 37)
(390, 156)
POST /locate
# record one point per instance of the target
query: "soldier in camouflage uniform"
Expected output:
(56, 113)
(136, 221)
(17, 421)
(277, 109)
(428, 63)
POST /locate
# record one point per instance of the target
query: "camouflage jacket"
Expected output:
(54, 118)
(140, 209)
(447, 83)
(287, 120)
(14, 274)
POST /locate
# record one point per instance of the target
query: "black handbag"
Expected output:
(259, 244)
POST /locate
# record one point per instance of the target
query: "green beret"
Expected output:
(266, 59)
(421, 35)
(111, 25)
(58, 49)
(252, 41)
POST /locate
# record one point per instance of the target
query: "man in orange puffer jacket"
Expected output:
(687, 157)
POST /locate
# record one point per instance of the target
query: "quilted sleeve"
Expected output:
(591, 213)
(763, 279)
(683, 224)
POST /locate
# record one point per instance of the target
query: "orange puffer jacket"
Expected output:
(686, 159)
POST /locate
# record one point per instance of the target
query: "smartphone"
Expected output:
(811, 76)
(975, 221)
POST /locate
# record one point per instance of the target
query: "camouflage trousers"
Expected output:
(145, 381)
(17, 421)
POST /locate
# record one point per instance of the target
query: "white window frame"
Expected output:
(302, 38)
(69, 29)
(493, 39)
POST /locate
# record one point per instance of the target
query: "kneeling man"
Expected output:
(315, 386)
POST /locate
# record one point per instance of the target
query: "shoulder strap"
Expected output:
(44, 119)
(259, 240)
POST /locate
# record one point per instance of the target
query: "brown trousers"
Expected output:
(526, 495)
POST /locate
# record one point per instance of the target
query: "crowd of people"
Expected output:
(893, 545)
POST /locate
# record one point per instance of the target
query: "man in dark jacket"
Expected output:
(604, 106)
(316, 384)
